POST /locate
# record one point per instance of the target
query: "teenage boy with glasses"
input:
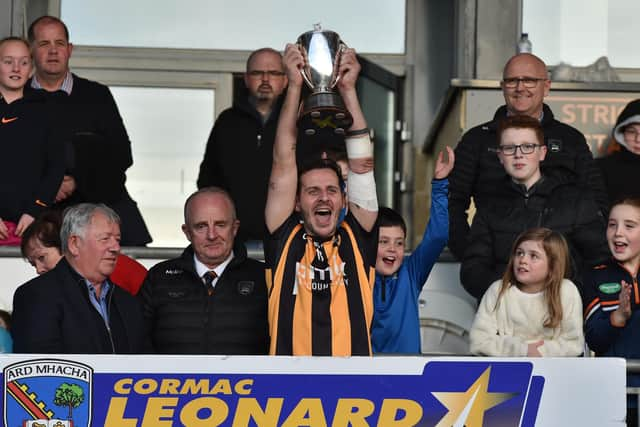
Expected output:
(529, 198)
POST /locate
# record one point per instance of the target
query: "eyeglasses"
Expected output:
(631, 133)
(510, 150)
(528, 82)
(260, 74)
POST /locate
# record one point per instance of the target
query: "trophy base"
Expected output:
(324, 111)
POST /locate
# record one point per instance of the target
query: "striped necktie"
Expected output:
(209, 277)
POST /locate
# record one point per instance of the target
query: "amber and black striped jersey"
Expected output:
(320, 292)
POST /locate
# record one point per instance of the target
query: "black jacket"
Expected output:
(101, 153)
(238, 158)
(560, 206)
(52, 314)
(182, 318)
(621, 173)
(477, 171)
(32, 155)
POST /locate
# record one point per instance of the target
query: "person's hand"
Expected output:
(621, 314)
(4, 231)
(348, 70)
(443, 168)
(293, 63)
(24, 221)
(66, 189)
(532, 349)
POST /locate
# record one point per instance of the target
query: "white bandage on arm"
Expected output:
(361, 189)
(359, 146)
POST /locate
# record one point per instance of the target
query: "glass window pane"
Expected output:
(241, 25)
(168, 128)
(583, 31)
(378, 105)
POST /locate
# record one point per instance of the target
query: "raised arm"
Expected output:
(283, 182)
(363, 201)
(434, 239)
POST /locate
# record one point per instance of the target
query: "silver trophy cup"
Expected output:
(323, 108)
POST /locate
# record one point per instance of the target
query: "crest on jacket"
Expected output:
(47, 393)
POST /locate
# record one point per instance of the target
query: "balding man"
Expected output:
(240, 148)
(212, 299)
(478, 173)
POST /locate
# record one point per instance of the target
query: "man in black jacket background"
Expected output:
(75, 308)
(240, 147)
(478, 173)
(212, 299)
(100, 151)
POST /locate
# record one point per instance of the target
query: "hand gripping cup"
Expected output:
(323, 108)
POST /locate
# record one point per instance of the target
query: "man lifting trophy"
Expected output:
(320, 265)
(323, 108)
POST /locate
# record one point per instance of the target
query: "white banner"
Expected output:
(199, 391)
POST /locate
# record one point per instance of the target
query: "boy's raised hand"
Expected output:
(443, 168)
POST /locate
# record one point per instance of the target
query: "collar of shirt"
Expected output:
(509, 114)
(201, 269)
(100, 304)
(66, 87)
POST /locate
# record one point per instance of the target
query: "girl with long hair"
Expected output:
(533, 310)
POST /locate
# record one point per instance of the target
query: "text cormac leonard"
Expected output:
(210, 402)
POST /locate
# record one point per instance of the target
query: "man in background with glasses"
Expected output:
(529, 198)
(240, 147)
(477, 171)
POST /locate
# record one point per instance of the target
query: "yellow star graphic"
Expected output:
(467, 408)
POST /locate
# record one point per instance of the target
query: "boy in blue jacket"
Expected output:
(396, 325)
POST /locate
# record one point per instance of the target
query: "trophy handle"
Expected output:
(304, 75)
(342, 48)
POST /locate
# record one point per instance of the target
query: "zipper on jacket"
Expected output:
(384, 289)
(259, 140)
(106, 323)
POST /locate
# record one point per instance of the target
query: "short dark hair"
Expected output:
(521, 122)
(337, 153)
(31, 33)
(45, 228)
(634, 202)
(319, 163)
(387, 217)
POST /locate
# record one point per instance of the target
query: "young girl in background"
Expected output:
(533, 310)
(612, 297)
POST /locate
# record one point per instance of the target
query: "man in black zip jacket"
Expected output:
(478, 173)
(212, 299)
(531, 199)
(240, 147)
(100, 151)
(75, 308)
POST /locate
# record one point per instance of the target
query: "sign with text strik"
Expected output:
(199, 391)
